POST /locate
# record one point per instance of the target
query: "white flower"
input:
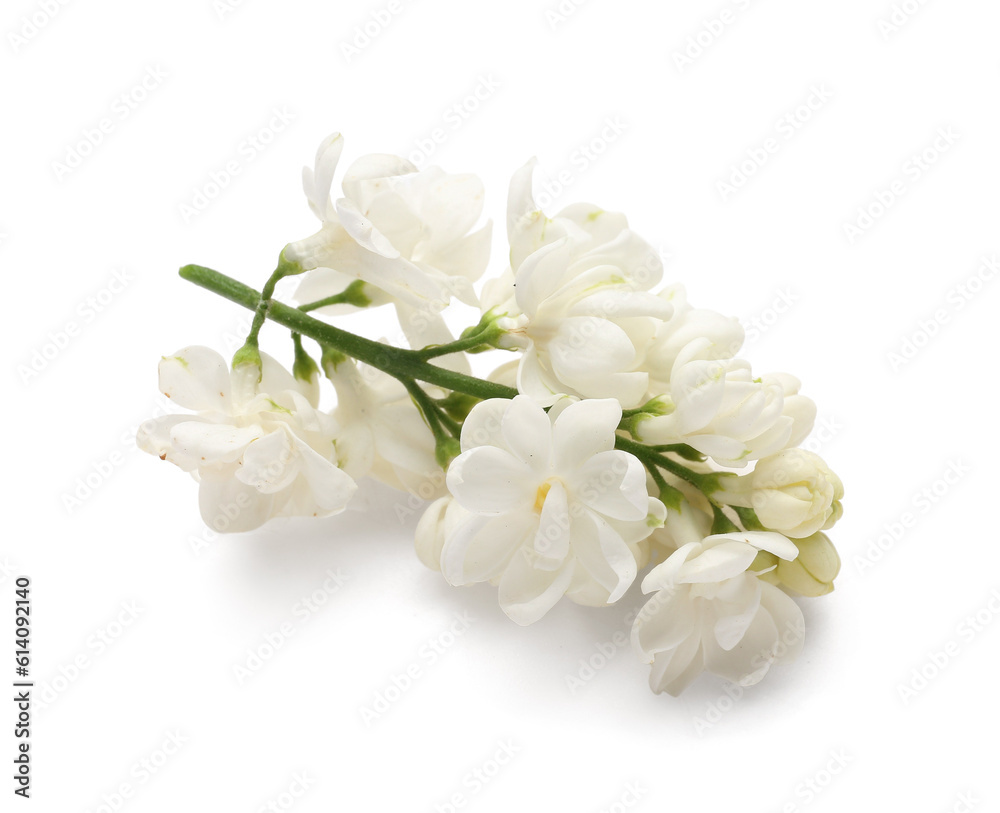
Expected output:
(794, 492)
(259, 450)
(811, 573)
(710, 612)
(382, 433)
(719, 408)
(543, 505)
(576, 300)
(404, 232)
(716, 337)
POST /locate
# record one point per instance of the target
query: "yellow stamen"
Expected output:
(541, 494)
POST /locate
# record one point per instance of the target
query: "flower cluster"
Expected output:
(620, 439)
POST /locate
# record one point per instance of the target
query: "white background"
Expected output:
(837, 730)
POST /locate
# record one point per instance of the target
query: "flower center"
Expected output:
(541, 494)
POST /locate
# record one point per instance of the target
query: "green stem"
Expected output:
(263, 300)
(472, 342)
(354, 294)
(721, 524)
(446, 447)
(669, 495)
(649, 456)
(395, 361)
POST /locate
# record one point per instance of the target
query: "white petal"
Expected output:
(674, 671)
(585, 346)
(603, 553)
(614, 303)
(542, 274)
(528, 433)
(584, 429)
(329, 488)
(715, 564)
(429, 535)
(333, 247)
(520, 201)
(363, 230)
(487, 480)
(269, 464)
(318, 181)
(154, 437)
(697, 389)
(449, 204)
(212, 443)
(663, 623)
(527, 593)
(230, 506)
(478, 548)
(274, 378)
(372, 168)
(535, 381)
(788, 619)
(763, 540)
(484, 425)
(613, 484)
(196, 378)
(355, 449)
(466, 258)
(667, 574)
(747, 662)
(734, 608)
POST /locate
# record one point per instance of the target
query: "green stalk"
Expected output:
(395, 361)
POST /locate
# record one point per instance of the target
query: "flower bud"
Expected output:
(765, 565)
(812, 572)
(795, 493)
